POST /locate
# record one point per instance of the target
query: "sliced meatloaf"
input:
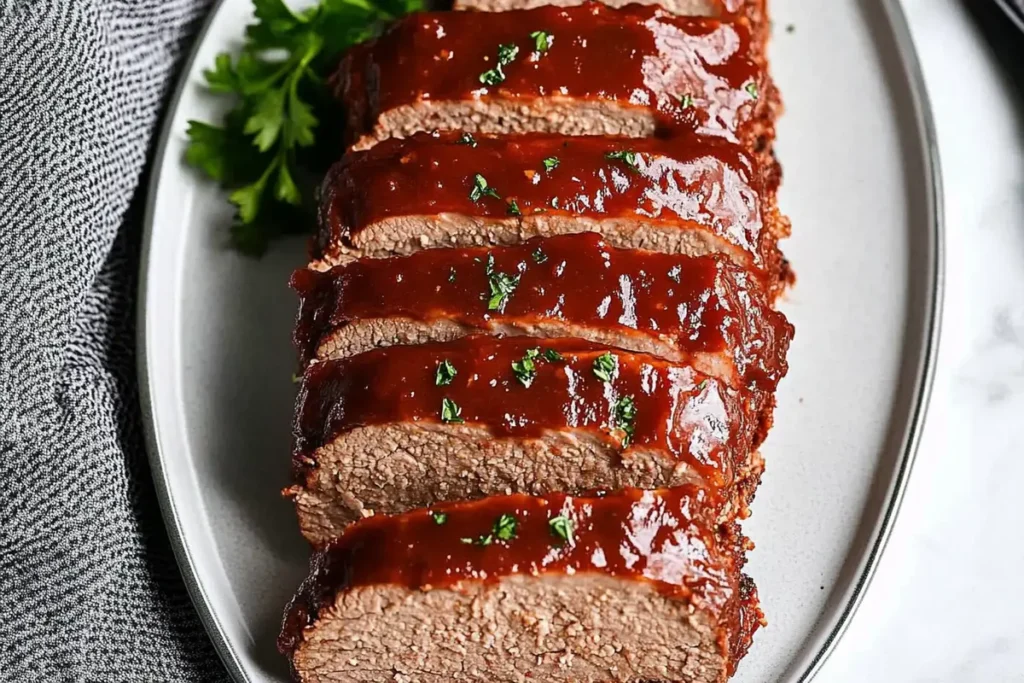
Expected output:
(752, 10)
(689, 196)
(704, 311)
(634, 586)
(591, 69)
(403, 427)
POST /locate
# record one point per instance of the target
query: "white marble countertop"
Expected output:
(945, 604)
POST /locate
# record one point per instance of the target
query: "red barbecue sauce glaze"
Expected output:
(691, 417)
(696, 183)
(695, 74)
(668, 537)
(696, 305)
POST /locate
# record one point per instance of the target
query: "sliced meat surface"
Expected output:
(590, 69)
(632, 586)
(403, 427)
(690, 196)
(704, 311)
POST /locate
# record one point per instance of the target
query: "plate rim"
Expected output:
(924, 376)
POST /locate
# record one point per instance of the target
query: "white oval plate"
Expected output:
(861, 187)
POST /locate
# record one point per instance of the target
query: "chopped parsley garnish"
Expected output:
(562, 527)
(451, 412)
(703, 383)
(686, 101)
(445, 373)
(542, 40)
(627, 157)
(296, 378)
(550, 164)
(505, 527)
(279, 94)
(501, 286)
(751, 89)
(466, 139)
(506, 53)
(482, 189)
(525, 369)
(513, 208)
(451, 274)
(604, 366)
(539, 256)
(625, 413)
(439, 517)
(553, 356)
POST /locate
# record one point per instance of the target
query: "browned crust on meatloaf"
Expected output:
(651, 576)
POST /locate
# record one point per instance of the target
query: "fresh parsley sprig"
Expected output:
(278, 82)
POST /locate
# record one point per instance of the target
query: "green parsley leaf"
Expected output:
(550, 164)
(539, 256)
(466, 139)
(450, 412)
(628, 157)
(751, 89)
(507, 53)
(525, 369)
(542, 40)
(685, 101)
(513, 208)
(553, 356)
(451, 274)
(482, 189)
(624, 415)
(501, 286)
(605, 366)
(492, 77)
(445, 373)
(505, 527)
(279, 83)
(562, 527)
(439, 517)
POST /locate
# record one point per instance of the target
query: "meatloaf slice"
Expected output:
(703, 311)
(752, 10)
(403, 427)
(689, 196)
(590, 69)
(635, 586)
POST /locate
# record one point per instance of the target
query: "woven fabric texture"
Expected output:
(89, 589)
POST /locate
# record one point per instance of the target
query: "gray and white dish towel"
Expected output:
(89, 589)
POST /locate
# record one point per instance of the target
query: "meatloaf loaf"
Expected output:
(403, 427)
(704, 311)
(590, 69)
(634, 586)
(689, 196)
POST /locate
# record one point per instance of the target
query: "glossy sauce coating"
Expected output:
(687, 416)
(668, 537)
(693, 74)
(696, 183)
(698, 305)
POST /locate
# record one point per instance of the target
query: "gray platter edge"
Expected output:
(926, 301)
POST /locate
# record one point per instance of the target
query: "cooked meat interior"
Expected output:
(403, 427)
(702, 311)
(634, 586)
(591, 69)
(689, 196)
